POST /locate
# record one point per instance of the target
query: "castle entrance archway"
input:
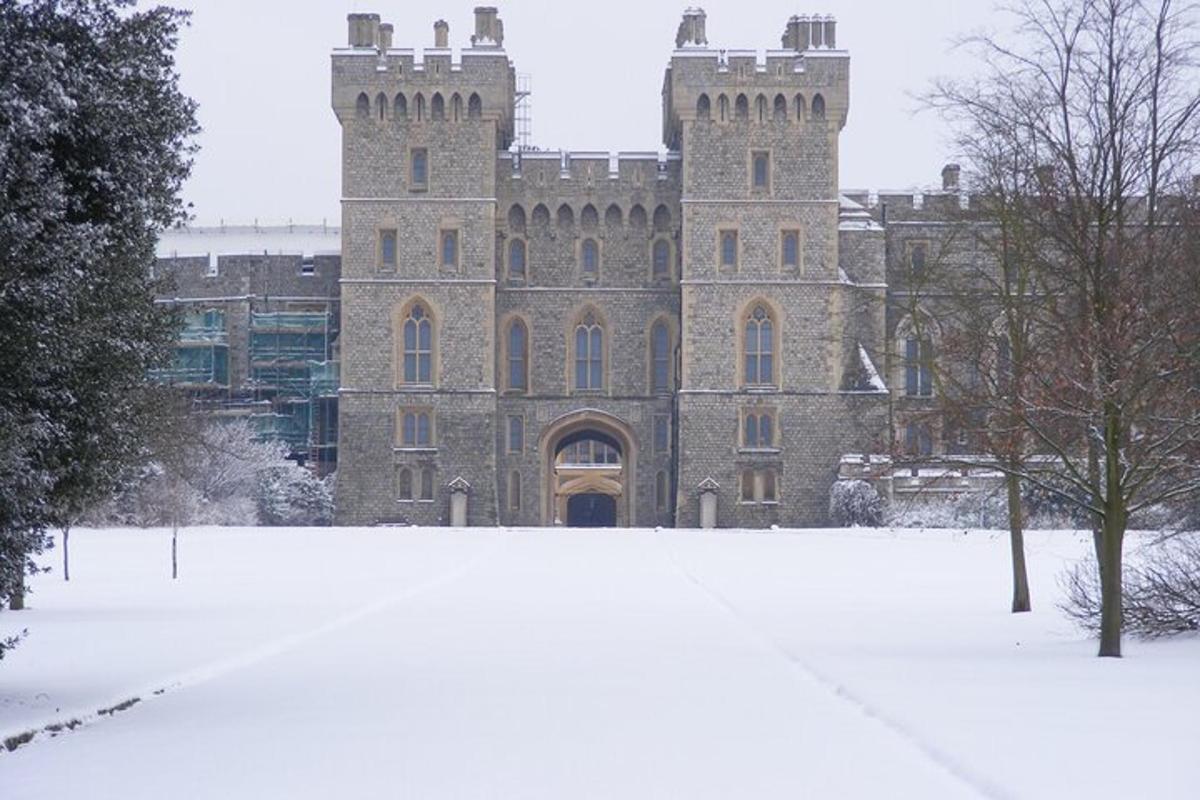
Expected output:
(589, 460)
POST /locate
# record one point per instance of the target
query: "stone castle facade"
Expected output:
(542, 338)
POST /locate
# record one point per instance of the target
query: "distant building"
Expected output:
(261, 314)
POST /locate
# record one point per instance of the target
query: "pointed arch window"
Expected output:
(759, 354)
(516, 259)
(790, 249)
(918, 366)
(362, 107)
(518, 356)
(589, 354)
(703, 107)
(427, 483)
(660, 359)
(589, 255)
(818, 107)
(404, 484)
(661, 256)
(418, 346)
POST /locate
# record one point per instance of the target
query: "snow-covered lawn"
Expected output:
(581, 664)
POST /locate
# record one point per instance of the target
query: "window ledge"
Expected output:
(761, 389)
(760, 451)
(415, 387)
(416, 449)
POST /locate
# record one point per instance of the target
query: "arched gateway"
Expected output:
(589, 463)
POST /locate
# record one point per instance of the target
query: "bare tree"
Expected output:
(1096, 107)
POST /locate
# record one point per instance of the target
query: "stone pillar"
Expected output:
(385, 37)
(441, 34)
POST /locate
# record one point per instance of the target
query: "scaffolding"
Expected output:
(291, 364)
(201, 355)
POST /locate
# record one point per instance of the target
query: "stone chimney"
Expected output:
(950, 174)
(385, 37)
(364, 29)
(489, 30)
(691, 29)
(804, 32)
(830, 32)
(441, 34)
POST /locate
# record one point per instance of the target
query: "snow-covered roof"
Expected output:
(250, 239)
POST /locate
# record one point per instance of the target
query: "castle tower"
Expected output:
(419, 143)
(767, 402)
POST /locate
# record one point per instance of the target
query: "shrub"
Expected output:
(855, 503)
(1160, 589)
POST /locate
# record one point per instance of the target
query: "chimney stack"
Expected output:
(385, 37)
(489, 30)
(364, 29)
(691, 29)
(441, 34)
(950, 174)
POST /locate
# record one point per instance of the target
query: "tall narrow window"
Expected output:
(660, 491)
(449, 249)
(769, 491)
(918, 367)
(387, 247)
(917, 257)
(516, 433)
(661, 256)
(590, 255)
(789, 248)
(759, 358)
(660, 359)
(514, 491)
(518, 356)
(761, 168)
(729, 249)
(427, 483)
(404, 484)
(516, 259)
(818, 107)
(662, 433)
(418, 346)
(589, 354)
(419, 168)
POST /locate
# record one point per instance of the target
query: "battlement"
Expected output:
(374, 80)
(588, 168)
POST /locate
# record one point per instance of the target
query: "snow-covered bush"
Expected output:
(211, 477)
(292, 495)
(855, 503)
(1160, 589)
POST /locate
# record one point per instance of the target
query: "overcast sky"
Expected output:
(270, 147)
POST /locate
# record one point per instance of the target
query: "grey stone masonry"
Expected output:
(602, 333)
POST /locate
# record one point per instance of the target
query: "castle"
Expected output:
(695, 338)
(586, 339)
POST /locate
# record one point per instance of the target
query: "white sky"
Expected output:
(271, 152)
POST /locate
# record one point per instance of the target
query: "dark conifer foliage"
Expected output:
(95, 142)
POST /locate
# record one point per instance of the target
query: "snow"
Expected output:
(400, 662)
(873, 378)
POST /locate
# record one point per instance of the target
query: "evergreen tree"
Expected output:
(95, 142)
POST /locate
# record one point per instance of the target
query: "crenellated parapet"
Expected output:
(372, 80)
(806, 81)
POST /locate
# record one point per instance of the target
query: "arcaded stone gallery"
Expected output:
(592, 339)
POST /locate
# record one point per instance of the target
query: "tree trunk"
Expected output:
(1016, 535)
(1110, 589)
(16, 600)
(1114, 535)
(67, 553)
(174, 549)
